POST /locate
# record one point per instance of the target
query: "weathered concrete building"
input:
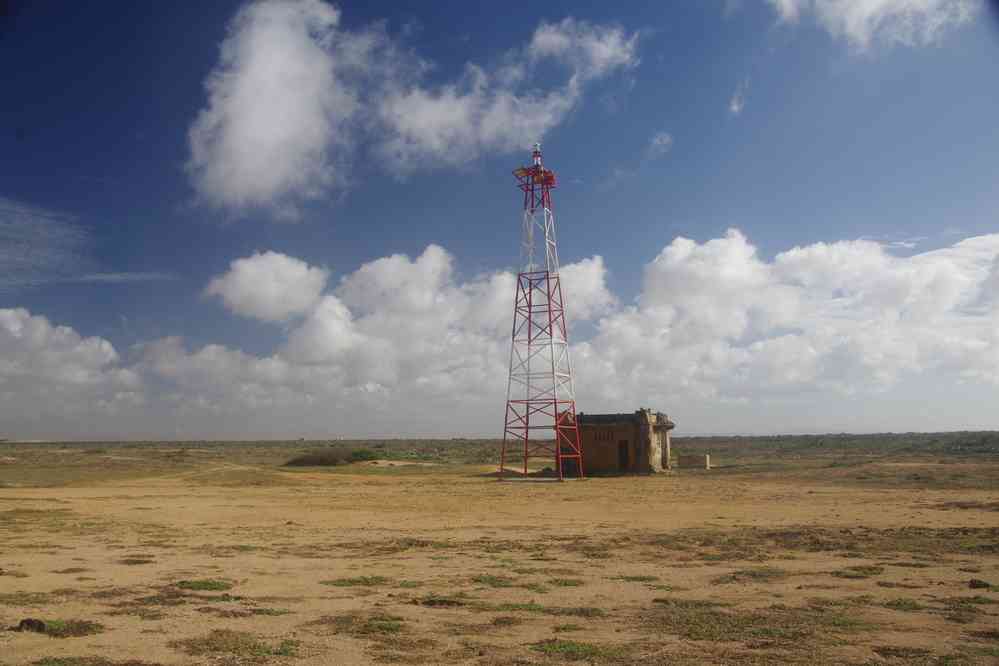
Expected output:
(635, 443)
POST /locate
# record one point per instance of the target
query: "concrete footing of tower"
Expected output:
(626, 443)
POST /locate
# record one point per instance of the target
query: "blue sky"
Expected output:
(828, 169)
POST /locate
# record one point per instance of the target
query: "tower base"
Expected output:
(525, 436)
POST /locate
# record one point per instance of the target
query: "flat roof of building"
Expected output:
(657, 418)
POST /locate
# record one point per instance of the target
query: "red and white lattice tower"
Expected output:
(540, 401)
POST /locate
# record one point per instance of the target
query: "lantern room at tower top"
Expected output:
(536, 174)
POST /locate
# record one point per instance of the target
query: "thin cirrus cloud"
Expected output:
(738, 100)
(287, 103)
(863, 23)
(402, 344)
(41, 246)
(659, 145)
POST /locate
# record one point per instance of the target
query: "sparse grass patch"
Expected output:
(88, 661)
(905, 586)
(756, 575)
(235, 643)
(576, 651)
(271, 612)
(852, 542)
(380, 624)
(70, 628)
(687, 604)
(965, 610)
(135, 561)
(637, 579)
(204, 584)
(566, 582)
(561, 628)
(667, 588)
(576, 611)
(537, 588)
(25, 599)
(595, 553)
(903, 604)
(165, 597)
(355, 624)
(529, 607)
(977, 600)
(493, 581)
(358, 581)
(859, 572)
(71, 570)
(442, 601)
(506, 621)
(704, 620)
(825, 602)
(981, 506)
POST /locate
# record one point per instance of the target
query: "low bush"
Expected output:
(332, 457)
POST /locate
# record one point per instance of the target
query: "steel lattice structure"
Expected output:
(541, 402)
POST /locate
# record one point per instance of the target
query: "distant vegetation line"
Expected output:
(467, 450)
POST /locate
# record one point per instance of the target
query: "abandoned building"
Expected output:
(636, 442)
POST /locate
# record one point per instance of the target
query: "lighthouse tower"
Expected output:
(541, 403)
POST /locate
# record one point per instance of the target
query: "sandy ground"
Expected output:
(447, 565)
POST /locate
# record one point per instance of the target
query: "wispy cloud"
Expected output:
(906, 243)
(124, 277)
(660, 144)
(37, 244)
(42, 246)
(896, 241)
(738, 101)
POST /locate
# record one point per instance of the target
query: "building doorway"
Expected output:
(622, 455)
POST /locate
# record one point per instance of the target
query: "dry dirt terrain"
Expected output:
(201, 553)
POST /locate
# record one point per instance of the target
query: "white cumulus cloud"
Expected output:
(274, 126)
(716, 322)
(828, 336)
(502, 108)
(400, 334)
(863, 22)
(270, 286)
(51, 375)
(294, 94)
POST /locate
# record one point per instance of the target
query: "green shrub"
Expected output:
(324, 458)
(362, 455)
(332, 457)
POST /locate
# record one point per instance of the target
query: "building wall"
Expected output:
(665, 448)
(636, 443)
(601, 447)
(647, 448)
